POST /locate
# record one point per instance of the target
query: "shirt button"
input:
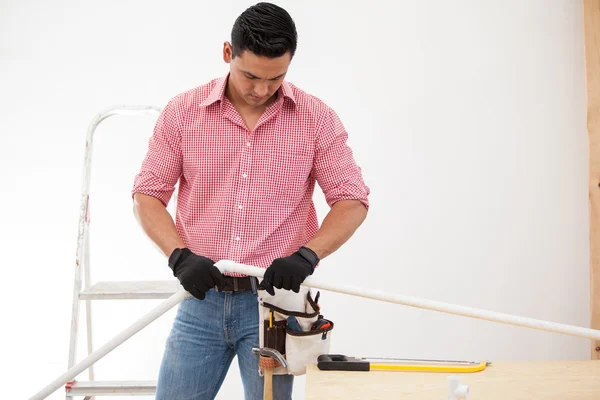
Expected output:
(248, 144)
(237, 239)
(244, 175)
(240, 207)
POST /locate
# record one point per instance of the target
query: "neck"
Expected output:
(241, 105)
(233, 97)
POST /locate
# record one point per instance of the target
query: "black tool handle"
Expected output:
(340, 362)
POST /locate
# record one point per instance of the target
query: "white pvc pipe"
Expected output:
(230, 266)
(112, 344)
(427, 304)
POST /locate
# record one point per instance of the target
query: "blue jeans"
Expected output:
(205, 337)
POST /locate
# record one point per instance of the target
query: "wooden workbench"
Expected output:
(499, 381)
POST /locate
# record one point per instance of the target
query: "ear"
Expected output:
(227, 52)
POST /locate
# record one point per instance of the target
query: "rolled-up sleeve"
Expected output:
(335, 169)
(162, 165)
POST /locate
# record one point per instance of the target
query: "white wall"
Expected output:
(468, 118)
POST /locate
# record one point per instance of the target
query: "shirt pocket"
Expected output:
(287, 166)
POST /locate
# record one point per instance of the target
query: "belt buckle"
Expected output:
(235, 286)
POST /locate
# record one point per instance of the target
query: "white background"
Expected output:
(467, 117)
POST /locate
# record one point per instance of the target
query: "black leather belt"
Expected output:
(239, 284)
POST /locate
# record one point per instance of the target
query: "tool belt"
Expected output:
(239, 284)
(292, 324)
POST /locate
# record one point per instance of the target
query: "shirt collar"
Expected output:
(218, 92)
(286, 90)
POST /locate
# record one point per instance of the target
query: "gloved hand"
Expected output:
(197, 274)
(289, 272)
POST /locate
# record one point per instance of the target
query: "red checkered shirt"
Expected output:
(246, 195)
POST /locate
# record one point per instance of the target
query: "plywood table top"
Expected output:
(502, 380)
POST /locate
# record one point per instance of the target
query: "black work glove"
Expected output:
(289, 272)
(197, 274)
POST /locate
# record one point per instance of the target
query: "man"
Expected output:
(247, 150)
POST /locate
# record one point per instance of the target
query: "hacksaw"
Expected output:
(340, 362)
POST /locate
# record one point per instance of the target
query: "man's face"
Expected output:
(254, 79)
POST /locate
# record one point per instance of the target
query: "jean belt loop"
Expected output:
(254, 284)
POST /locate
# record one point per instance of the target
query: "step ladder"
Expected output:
(109, 290)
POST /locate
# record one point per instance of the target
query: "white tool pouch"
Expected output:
(300, 348)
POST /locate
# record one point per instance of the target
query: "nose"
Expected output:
(261, 89)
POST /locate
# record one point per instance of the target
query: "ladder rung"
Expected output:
(111, 290)
(108, 388)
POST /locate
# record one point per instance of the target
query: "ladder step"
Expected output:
(110, 388)
(111, 290)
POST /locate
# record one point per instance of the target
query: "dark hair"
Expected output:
(266, 30)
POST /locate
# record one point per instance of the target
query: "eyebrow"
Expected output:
(254, 76)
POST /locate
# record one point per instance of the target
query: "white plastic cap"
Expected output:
(456, 390)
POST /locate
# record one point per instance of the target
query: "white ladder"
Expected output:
(109, 290)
